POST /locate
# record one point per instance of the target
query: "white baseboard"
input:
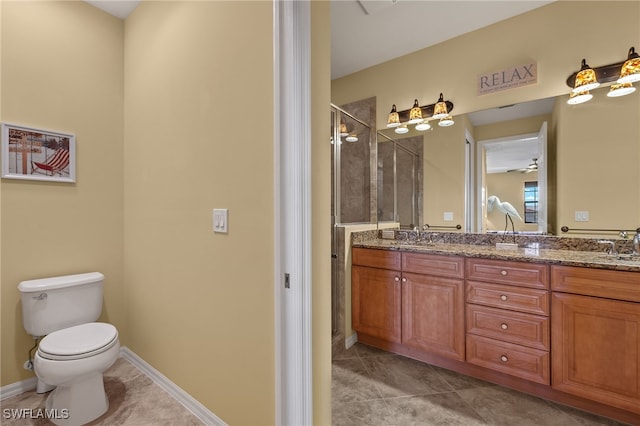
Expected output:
(18, 388)
(351, 340)
(190, 403)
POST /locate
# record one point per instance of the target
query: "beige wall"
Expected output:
(197, 306)
(552, 37)
(200, 305)
(321, 202)
(62, 70)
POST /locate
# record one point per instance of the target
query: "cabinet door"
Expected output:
(595, 347)
(375, 303)
(433, 314)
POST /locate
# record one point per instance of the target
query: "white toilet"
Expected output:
(75, 350)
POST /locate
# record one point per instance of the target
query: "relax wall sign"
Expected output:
(509, 78)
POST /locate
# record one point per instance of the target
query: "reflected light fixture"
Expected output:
(394, 117)
(402, 129)
(415, 115)
(421, 127)
(576, 98)
(343, 129)
(440, 110)
(585, 79)
(620, 90)
(630, 71)
(446, 121)
(351, 138)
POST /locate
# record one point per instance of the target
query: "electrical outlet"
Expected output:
(448, 216)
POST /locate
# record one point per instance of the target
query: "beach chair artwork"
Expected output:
(35, 154)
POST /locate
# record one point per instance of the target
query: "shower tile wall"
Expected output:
(357, 160)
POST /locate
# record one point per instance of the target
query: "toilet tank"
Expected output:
(50, 304)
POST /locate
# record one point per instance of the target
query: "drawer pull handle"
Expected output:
(404, 280)
(503, 297)
(503, 272)
(504, 326)
(396, 279)
(504, 358)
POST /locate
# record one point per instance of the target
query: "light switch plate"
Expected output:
(582, 216)
(220, 220)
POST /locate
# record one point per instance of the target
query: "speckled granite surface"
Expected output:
(581, 252)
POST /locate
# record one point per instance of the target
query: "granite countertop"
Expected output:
(588, 259)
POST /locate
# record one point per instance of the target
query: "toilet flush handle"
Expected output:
(41, 296)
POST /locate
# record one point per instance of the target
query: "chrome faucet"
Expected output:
(612, 246)
(636, 243)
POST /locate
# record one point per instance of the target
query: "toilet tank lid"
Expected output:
(44, 284)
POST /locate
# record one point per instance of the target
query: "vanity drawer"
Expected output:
(384, 259)
(508, 272)
(621, 285)
(523, 329)
(431, 264)
(528, 300)
(526, 363)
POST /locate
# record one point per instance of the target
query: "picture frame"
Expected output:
(36, 154)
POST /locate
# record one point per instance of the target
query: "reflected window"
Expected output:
(531, 202)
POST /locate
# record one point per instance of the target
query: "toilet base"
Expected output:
(78, 403)
(43, 387)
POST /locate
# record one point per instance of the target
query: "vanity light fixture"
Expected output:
(621, 75)
(630, 71)
(394, 117)
(440, 110)
(621, 90)
(415, 115)
(585, 79)
(420, 116)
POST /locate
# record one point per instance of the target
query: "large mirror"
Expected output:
(557, 165)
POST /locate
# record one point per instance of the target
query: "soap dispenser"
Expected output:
(636, 243)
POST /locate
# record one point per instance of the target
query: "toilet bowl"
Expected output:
(75, 349)
(73, 359)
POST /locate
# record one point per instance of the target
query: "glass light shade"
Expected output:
(343, 129)
(351, 138)
(446, 121)
(585, 79)
(394, 117)
(402, 129)
(440, 109)
(621, 90)
(421, 127)
(579, 98)
(630, 71)
(415, 115)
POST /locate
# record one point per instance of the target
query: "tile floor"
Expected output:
(134, 400)
(369, 387)
(372, 387)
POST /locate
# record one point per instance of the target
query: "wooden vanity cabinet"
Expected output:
(433, 304)
(414, 299)
(507, 318)
(596, 335)
(375, 293)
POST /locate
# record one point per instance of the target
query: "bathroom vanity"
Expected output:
(560, 324)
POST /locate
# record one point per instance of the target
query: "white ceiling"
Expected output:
(368, 32)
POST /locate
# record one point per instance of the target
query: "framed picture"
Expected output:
(36, 154)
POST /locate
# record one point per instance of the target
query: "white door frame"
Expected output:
(292, 212)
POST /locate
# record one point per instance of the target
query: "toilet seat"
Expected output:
(77, 342)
